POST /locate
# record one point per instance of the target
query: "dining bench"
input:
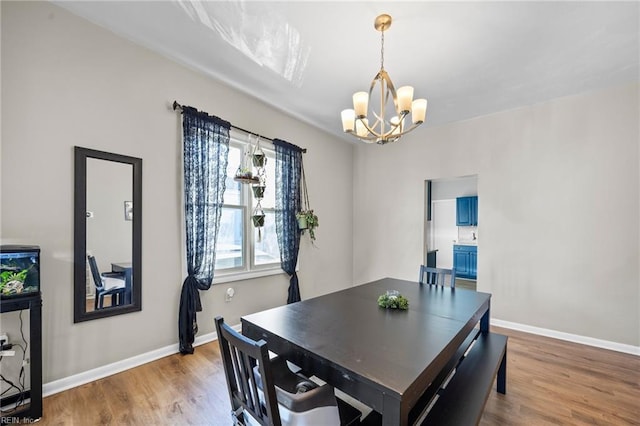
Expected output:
(462, 397)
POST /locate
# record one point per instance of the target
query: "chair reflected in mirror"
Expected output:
(107, 284)
(437, 276)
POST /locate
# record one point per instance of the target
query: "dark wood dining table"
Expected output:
(383, 358)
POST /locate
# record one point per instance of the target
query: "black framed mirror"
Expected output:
(107, 234)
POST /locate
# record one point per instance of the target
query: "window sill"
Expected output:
(246, 275)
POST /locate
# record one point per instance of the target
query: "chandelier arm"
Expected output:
(371, 130)
(384, 135)
(404, 132)
(390, 88)
(364, 138)
(386, 88)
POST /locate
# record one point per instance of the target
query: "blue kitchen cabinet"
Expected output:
(473, 263)
(465, 261)
(467, 211)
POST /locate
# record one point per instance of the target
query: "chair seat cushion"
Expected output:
(111, 283)
(296, 392)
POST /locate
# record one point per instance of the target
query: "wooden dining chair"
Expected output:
(107, 284)
(268, 391)
(437, 276)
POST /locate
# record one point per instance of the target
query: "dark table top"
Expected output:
(394, 351)
(121, 266)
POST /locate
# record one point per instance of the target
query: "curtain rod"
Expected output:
(176, 105)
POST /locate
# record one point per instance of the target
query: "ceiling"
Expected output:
(468, 59)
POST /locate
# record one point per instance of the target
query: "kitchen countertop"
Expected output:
(466, 243)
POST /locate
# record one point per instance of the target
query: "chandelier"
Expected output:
(381, 129)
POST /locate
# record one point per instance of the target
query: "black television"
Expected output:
(19, 271)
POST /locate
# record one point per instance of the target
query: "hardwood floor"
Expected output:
(464, 283)
(549, 382)
(552, 382)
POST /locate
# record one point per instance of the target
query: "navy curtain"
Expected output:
(206, 152)
(288, 168)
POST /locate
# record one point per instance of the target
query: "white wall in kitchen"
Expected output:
(445, 231)
(446, 188)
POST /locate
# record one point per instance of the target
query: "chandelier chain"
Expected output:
(382, 50)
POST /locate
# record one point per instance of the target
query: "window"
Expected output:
(239, 253)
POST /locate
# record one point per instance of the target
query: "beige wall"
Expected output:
(67, 82)
(558, 189)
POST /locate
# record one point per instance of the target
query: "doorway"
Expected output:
(441, 232)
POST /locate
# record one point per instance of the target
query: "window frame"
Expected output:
(248, 269)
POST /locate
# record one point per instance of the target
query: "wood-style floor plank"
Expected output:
(549, 382)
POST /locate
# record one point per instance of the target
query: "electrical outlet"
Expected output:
(4, 339)
(229, 294)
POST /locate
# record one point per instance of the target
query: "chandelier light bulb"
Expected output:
(360, 104)
(361, 127)
(348, 119)
(419, 111)
(405, 97)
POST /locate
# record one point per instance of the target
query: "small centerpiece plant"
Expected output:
(393, 300)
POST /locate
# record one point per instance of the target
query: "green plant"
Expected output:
(307, 219)
(7, 277)
(311, 220)
(392, 301)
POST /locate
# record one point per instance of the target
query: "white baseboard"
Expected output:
(135, 361)
(575, 338)
(119, 366)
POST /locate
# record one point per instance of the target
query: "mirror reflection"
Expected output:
(107, 234)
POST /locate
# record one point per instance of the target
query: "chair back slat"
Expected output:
(242, 379)
(239, 357)
(95, 272)
(437, 276)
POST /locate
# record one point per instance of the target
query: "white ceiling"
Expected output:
(467, 58)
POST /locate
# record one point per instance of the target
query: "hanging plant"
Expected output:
(245, 174)
(302, 221)
(307, 219)
(259, 158)
(258, 190)
(258, 220)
